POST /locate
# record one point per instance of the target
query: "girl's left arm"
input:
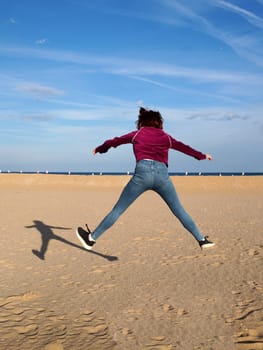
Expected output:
(182, 147)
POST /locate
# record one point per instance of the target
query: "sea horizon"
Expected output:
(119, 173)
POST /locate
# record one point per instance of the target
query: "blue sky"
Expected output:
(73, 73)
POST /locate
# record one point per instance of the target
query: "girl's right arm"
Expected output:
(115, 142)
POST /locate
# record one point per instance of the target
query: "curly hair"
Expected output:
(149, 118)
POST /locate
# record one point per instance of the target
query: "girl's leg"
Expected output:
(168, 193)
(132, 191)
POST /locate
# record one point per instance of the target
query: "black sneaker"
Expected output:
(85, 237)
(205, 243)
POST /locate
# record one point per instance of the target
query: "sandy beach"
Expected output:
(147, 284)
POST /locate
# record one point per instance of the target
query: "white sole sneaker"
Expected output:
(83, 236)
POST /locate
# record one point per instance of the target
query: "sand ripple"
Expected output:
(25, 325)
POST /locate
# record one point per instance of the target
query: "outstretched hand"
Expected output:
(208, 156)
(94, 151)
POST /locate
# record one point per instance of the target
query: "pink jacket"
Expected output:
(150, 143)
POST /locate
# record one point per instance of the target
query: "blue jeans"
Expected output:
(149, 175)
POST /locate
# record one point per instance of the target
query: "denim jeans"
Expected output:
(149, 175)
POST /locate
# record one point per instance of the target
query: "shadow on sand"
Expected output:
(47, 234)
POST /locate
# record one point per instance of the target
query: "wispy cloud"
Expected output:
(100, 113)
(245, 46)
(220, 116)
(248, 47)
(248, 15)
(38, 118)
(189, 14)
(11, 115)
(215, 96)
(12, 20)
(39, 91)
(41, 41)
(122, 66)
(192, 74)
